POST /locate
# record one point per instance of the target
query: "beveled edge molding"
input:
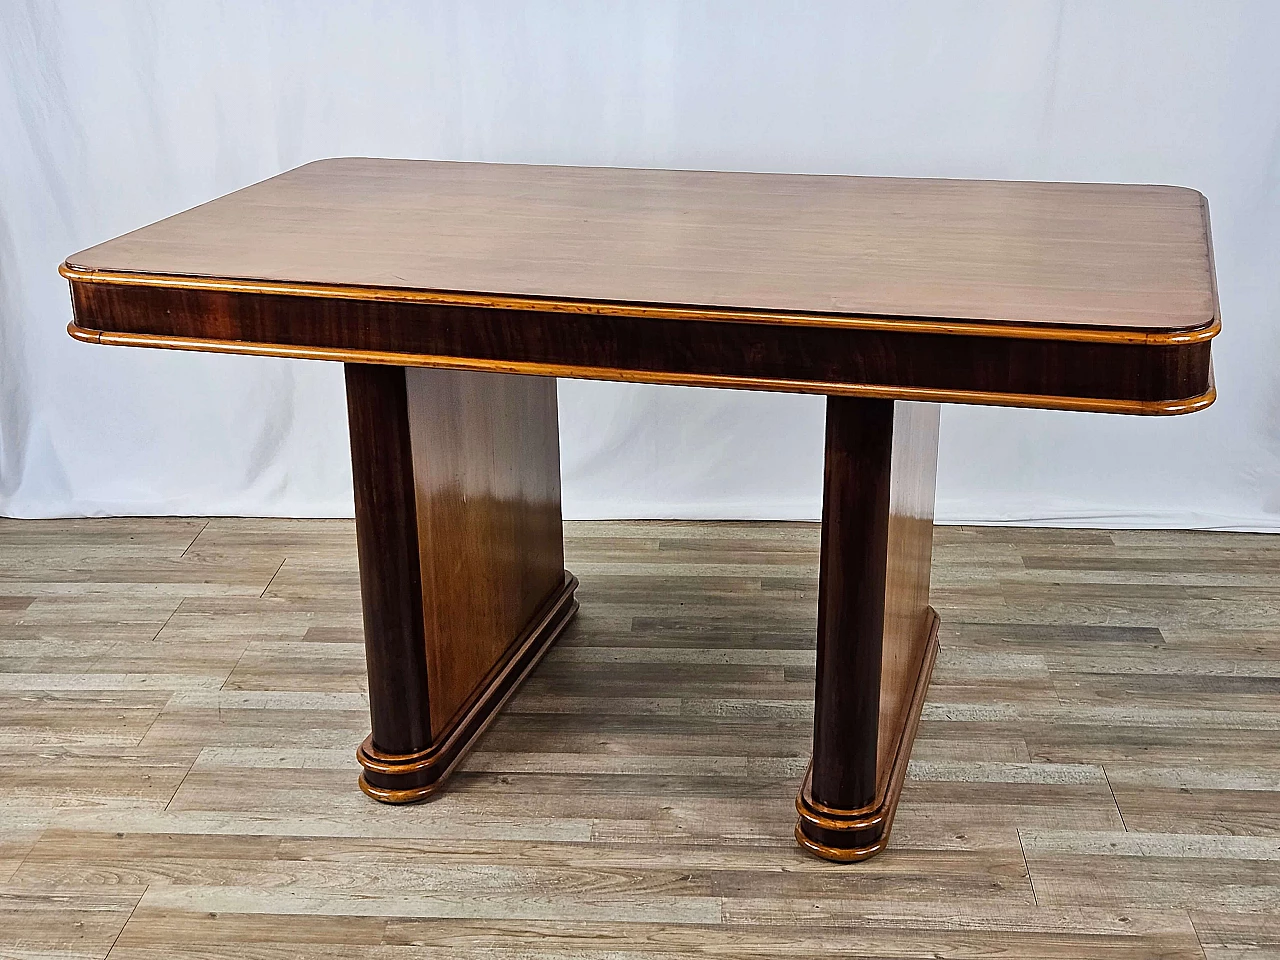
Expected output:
(976, 328)
(873, 822)
(924, 394)
(421, 774)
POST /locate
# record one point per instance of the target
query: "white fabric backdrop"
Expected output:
(114, 114)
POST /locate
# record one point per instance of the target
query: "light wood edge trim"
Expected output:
(600, 308)
(865, 819)
(841, 854)
(390, 796)
(886, 810)
(927, 394)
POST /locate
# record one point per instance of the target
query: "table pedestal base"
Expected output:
(849, 835)
(406, 778)
(462, 579)
(457, 489)
(877, 634)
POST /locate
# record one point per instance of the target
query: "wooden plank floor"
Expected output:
(1097, 774)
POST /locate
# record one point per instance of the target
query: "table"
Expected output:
(455, 294)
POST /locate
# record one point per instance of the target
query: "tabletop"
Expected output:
(795, 249)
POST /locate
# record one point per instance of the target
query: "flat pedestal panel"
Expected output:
(486, 470)
(457, 480)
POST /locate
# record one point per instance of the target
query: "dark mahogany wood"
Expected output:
(876, 632)
(387, 542)
(664, 350)
(851, 600)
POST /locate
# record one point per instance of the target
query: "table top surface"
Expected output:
(792, 248)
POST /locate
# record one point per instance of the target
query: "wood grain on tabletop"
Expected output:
(1070, 254)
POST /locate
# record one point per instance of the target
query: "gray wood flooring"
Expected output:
(1097, 773)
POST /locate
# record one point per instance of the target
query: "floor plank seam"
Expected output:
(1115, 800)
(202, 529)
(186, 773)
(172, 613)
(159, 713)
(13, 877)
(235, 666)
(273, 578)
(134, 909)
(1196, 930)
(221, 687)
(1030, 880)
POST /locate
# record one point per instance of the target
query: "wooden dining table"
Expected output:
(456, 293)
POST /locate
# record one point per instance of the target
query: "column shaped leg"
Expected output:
(877, 635)
(462, 580)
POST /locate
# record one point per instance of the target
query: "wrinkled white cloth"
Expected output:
(115, 113)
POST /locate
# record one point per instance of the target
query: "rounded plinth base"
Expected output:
(846, 836)
(411, 777)
(390, 778)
